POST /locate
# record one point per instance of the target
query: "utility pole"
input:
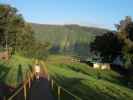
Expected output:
(6, 32)
(6, 39)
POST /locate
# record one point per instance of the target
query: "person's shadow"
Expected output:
(4, 70)
(19, 74)
(4, 90)
(30, 68)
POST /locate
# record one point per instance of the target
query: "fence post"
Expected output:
(29, 82)
(32, 75)
(59, 89)
(24, 91)
(48, 77)
(52, 84)
(4, 98)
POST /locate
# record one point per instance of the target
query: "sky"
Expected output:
(98, 13)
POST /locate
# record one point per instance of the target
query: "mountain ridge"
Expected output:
(71, 38)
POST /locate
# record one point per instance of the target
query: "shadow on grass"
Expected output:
(30, 67)
(66, 83)
(77, 88)
(4, 89)
(98, 74)
(4, 70)
(19, 74)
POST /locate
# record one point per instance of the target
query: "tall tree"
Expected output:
(107, 46)
(110, 45)
(14, 31)
(125, 33)
(17, 34)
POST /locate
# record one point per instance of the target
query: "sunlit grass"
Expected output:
(88, 83)
(18, 67)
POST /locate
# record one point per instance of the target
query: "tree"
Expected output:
(123, 23)
(17, 34)
(14, 31)
(107, 46)
(120, 43)
(125, 33)
(6, 21)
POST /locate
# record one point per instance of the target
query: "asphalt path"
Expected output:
(40, 90)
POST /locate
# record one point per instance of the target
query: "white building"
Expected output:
(102, 66)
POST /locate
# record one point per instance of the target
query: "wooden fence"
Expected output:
(58, 91)
(26, 84)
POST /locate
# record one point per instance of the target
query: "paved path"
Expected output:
(40, 90)
(5, 90)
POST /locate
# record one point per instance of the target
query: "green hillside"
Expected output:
(88, 83)
(13, 72)
(68, 38)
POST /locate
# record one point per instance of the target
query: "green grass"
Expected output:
(88, 83)
(80, 79)
(17, 67)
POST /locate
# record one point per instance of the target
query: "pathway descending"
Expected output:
(40, 90)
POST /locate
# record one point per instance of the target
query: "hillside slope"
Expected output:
(73, 39)
(13, 72)
(88, 83)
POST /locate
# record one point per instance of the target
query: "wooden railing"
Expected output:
(23, 88)
(59, 90)
(55, 86)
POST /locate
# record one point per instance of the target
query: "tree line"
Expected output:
(118, 43)
(15, 33)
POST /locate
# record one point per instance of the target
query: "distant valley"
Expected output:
(71, 39)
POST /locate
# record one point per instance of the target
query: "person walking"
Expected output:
(37, 71)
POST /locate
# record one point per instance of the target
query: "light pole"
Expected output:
(6, 40)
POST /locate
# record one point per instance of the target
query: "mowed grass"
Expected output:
(88, 83)
(13, 72)
(80, 79)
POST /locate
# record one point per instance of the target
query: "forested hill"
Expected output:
(45, 32)
(66, 37)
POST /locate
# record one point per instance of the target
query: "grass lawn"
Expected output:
(80, 79)
(13, 72)
(88, 83)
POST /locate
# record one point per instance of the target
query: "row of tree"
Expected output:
(115, 44)
(15, 33)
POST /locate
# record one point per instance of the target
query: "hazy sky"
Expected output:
(101, 13)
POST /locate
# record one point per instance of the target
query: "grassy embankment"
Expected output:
(86, 82)
(78, 78)
(13, 72)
